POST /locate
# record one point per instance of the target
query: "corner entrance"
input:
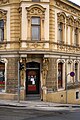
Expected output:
(32, 78)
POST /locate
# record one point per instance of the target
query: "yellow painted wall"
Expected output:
(60, 97)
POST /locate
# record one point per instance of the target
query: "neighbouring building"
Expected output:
(44, 36)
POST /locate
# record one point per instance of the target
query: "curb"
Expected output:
(40, 106)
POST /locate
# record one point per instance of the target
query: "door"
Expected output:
(33, 80)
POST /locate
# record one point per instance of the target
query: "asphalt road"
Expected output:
(28, 114)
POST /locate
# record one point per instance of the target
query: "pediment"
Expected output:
(35, 10)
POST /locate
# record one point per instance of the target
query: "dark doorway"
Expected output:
(32, 78)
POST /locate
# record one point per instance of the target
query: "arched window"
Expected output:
(76, 72)
(3, 17)
(60, 75)
(36, 15)
(2, 76)
(76, 32)
(35, 27)
(1, 30)
(70, 26)
(76, 36)
(61, 27)
(68, 71)
(60, 32)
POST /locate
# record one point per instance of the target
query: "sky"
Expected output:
(76, 2)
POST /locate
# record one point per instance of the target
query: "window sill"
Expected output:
(2, 91)
(61, 89)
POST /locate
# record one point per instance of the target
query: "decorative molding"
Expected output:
(70, 61)
(68, 8)
(35, 45)
(3, 14)
(77, 23)
(61, 61)
(36, 10)
(76, 61)
(4, 1)
(20, 10)
(61, 17)
(70, 20)
(45, 67)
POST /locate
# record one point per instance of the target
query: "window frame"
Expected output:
(36, 25)
(2, 31)
(3, 81)
(61, 75)
(76, 36)
(77, 95)
(60, 32)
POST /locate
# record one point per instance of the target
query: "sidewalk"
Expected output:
(38, 105)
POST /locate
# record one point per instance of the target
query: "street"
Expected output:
(31, 114)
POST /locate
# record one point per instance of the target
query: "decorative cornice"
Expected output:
(35, 10)
(68, 8)
(3, 1)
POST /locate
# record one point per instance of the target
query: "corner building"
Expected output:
(44, 36)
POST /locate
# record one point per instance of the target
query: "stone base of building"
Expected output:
(64, 97)
(60, 97)
(8, 96)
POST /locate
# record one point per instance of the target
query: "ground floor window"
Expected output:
(60, 75)
(77, 95)
(2, 77)
(76, 72)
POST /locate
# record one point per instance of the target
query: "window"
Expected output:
(77, 95)
(76, 36)
(35, 27)
(60, 75)
(68, 71)
(60, 32)
(76, 71)
(2, 76)
(1, 30)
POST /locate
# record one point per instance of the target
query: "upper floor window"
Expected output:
(76, 71)
(2, 76)
(1, 30)
(60, 32)
(76, 36)
(35, 0)
(69, 69)
(36, 17)
(35, 27)
(60, 75)
(61, 27)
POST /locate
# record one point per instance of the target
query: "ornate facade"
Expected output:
(43, 36)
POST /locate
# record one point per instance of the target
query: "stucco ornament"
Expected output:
(4, 1)
(45, 68)
(3, 14)
(36, 10)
